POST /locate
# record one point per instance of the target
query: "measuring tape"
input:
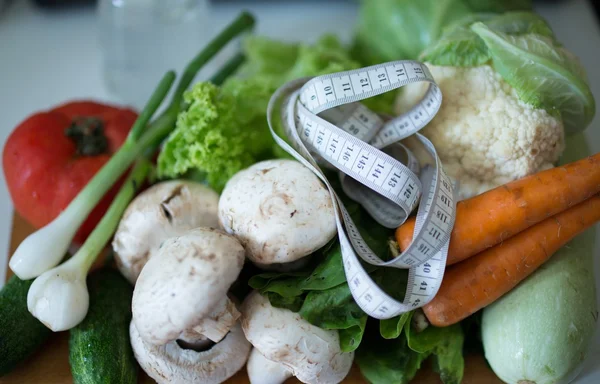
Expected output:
(329, 127)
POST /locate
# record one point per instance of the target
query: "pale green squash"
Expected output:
(541, 331)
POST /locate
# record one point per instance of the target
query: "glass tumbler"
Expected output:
(142, 39)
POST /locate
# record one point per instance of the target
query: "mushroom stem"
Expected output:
(194, 342)
(219, 322)
(264, 371)
(310, 353)
(172, 364)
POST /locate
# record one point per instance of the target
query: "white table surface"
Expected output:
(49, 57)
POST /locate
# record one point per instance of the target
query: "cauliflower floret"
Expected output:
(484, 135)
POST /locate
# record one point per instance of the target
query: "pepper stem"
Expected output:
(88, 135)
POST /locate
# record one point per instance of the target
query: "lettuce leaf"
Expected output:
(401, 29)
(446, 346)
(335, 308)
(219, 133)
(523, 49)
(396, 360)
(543, 73)
(388, 361)
(460, 46)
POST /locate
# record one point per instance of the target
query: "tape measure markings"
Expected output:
(377, 173)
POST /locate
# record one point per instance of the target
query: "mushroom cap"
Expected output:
(279, 210)
(312, 354)
(164, 210)
(264, 371)
(172, 364)
(184, 282)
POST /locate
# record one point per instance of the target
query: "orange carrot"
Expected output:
(477, 282)
(494, 216)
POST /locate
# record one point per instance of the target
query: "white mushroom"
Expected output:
(170, 363)
(308, 352)
(264, 371)
(184, 287)
(162, 211)
(180, 300)
(279, 210)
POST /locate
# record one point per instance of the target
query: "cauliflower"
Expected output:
(484, 135)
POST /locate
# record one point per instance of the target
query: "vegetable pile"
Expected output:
(224, 251)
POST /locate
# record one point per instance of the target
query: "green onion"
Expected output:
(46, 247)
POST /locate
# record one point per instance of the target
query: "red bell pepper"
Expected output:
(52, 155)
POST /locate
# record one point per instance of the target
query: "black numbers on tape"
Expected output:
(424, 248)
(363, 118)
(382, 77)
(368, 298)
(423, 286)
(418, 70)
(364, 82)
(328, 90)
(346, 87)
(377, 171)
(403, 126)
(356, 282)
(362, 162)
(445, 200)
(445, 184)
(400, 72)
(382, 309)
(348, 153)
(333, 145)
(433, 232)
(426, 267)
(353, 129)
(409, 191)
(313, 97)
(442, 216)
(416, 302)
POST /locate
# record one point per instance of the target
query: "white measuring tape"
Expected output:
(376, 170)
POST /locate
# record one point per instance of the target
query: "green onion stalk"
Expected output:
(46, 247)
(59, 296)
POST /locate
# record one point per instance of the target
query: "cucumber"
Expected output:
(541, 331)
(21, 334)
(99, 348)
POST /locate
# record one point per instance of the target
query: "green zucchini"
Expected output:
(21, 334)
(99, 348)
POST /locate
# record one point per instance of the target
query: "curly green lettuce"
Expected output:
(220, 133)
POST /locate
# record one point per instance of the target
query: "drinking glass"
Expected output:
(142, 39)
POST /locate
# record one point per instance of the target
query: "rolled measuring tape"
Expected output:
(327, 126)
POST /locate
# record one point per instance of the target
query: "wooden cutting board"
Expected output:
(50, 365)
